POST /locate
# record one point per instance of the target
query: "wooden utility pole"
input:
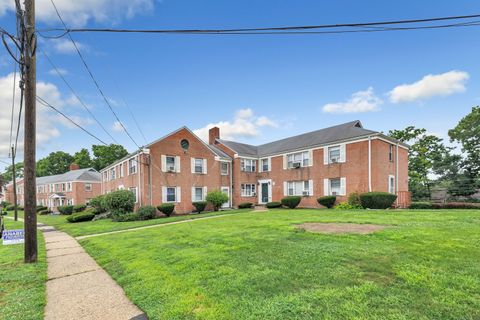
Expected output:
(14, 176)
(30, 136)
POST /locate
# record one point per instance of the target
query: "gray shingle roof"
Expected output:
(88, 174)
(219, 152)
(324, 136)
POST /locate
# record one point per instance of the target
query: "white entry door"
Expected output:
(226, 190)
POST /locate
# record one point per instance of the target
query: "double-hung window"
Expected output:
(298, 188)
(170, 161)
(391, 184)
(113, 173)
(248, 190)
(335, 187)
(334, 154)
(265, 165)
(224, 168)
(299, 159)
(69, 186)
(198, 165)
(132, 166)
(88, 187)
(120, 167)
(248, 165)
(171, 194)
(390, 153)
(134, 191)
(198, 194)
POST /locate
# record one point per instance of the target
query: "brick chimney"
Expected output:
(213, 133)
(74, 166)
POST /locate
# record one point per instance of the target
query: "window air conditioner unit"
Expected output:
(305, 193)
(334, 160)
(171, 169)
(334, 193)
(297, 165)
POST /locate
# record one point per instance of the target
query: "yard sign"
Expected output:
(13, 236)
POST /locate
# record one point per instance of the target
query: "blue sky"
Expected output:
(258, 88)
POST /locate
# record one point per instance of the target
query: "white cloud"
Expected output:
(361, 101)
(244, 124)
(429, 86)
(79, 13)
(66, 46)
(47, 119)
(117, 126)
(62, 72)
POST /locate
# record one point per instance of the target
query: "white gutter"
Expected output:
(369, 164)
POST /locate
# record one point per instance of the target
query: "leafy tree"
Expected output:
(106, 155)
(8, 174)
(55, 163)
(82, 158)
(425, 154)
(464, 185)
(467, 133)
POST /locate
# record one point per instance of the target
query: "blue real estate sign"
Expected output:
(13, 236)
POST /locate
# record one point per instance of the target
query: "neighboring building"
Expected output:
(181, 168)
(77, 186)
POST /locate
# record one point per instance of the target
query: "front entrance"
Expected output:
(265, 194)
(226, 190)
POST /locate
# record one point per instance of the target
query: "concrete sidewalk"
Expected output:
(77, 287)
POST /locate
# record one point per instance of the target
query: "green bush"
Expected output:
(245, 205)
(44, 212)
(98, 204)
(41, 208)
(66, 210)
(347, 206)
(20, 208)
(200, 206)
(81, 216)
(377, 200)
(327, 201)
(166, 208)
(79, 208)
(131, 216)
(273, 204)
(421, 205)
(354, 199)
(119, 202)
(5, 204)
(291, 201)
(217, 199)
(147, 212)
(10, 207)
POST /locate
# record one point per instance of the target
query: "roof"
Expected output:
(88, 174)
(341, 132)
(219, 152)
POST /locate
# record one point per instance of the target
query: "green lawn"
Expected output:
(106, 225)
(22, 286)
(425, 265)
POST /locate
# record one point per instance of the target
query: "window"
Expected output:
(112, 173)
(120, 167)
(391, 184)
(105, 176)
(40, 189)
(198, 165)
(334, 154)
(134, 191)
(170, 162)
(69, 186)
(132, 166)
(390, 153)
(198, 194)
(335, 187)
(52, 188)
(69, 202)
(64, 187)
(248, 165)
(298, 188)
(265, 165)
(88, 187)
(297, 160)
(171, 194)
(248, 190)
(224, 168)
(58, 187)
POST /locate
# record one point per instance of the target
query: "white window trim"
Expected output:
(178, 194)
(88, 189)
(309, 153)
(135, 165)
(204, 165)
(194, 194)
(243, 165)
(391, 190)
(342, 157)
(243, 190)
(327, 186)
(306, 192)
(221, 168)
(134, 190)
(269, 164)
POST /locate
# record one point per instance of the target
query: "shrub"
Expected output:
(41, 208)
(146, 212)
(291, 201)
(131, 216)
(119, 202)
(377, 200)
(20, 208)
(273, 204)
(199, 206)
(166, 208)
(327, 201)
(5, 204)
(217, 199)
(456, 205)
(66, 210)
(79, 208)
(44, 212)
(347, 206)
(245, 205)
(81, 216)
(421, 205)
(354, 199)
(97, 203)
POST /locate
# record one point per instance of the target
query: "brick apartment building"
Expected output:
(76, 186)
(181, 168)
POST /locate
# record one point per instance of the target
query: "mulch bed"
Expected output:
(339, 228)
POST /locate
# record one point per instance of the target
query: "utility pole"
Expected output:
(14, 176)
(30, 193)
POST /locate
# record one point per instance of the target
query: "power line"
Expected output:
(76, 95)
(92, 76)
(278, 30)
(46, 104)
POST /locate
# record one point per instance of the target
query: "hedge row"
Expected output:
(450, 205)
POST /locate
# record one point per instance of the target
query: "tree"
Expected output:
(425, 154)
(106, 155)
(467, 133)
(55, 163)
(8, 174)
(217, 199)
(82, 158)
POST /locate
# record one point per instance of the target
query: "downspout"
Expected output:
(396, 172)
(369, 164)
(150, 192)
(140, 197)
(231, 184)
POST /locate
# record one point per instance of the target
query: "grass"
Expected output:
(22, 286)
(425, 265)
(107, 225)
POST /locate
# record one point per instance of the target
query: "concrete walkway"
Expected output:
(77, 287)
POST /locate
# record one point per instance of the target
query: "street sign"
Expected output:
(13, 236)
